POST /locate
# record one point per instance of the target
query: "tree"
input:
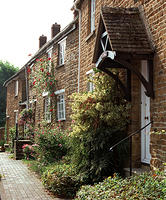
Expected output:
(6, 71)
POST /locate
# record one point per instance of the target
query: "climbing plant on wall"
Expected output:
(42, 79)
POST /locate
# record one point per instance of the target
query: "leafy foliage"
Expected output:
(6, 71)
(61, 179)
(51, 144)
(99, 121)
(29, 151)
(147, 186)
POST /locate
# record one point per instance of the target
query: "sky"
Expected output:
(23, 21)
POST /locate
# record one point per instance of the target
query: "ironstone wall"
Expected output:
(155, 18)
(2, 133)
(158, 150)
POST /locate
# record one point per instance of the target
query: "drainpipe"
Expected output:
(27, 91)
(79, 48)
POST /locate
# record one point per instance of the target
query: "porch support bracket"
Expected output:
(147, 84)
(116, 78)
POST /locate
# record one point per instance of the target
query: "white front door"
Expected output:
(145, 118)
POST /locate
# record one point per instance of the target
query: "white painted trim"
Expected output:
(89, 72)
(50, 49)
(31, 65)
(44, 94)
(145, 112)
(59, 91)
(33, 100)
(62, 40)
(16, 88)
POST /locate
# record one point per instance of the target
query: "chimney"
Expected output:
(42, 40)
(55, 29)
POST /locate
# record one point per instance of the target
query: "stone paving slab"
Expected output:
(18, 183)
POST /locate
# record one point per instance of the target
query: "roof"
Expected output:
(70, 27)
(12, 77)
(126, 30)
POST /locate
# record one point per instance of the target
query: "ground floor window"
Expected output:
(61, 114)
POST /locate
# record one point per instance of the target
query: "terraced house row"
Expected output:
(129, 35)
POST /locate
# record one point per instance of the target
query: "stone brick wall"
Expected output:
(66, 76)
(13, 101)
(158, 151)
(154, 12)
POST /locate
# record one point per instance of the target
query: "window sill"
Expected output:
(60, 120)
(48, 122)
(59, 66)
(90, 36)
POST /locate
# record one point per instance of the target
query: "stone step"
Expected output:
(135, 171)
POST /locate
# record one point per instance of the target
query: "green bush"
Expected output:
(99, 121)
(146, 186)
(52, 144)
(61, 179)
(29, 151)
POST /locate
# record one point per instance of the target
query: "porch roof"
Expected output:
(126, 31)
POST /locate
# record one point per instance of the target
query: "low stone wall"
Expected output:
(18, 151)
(2, 133)
(157, 150)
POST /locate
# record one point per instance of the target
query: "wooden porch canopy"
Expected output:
(121, 38)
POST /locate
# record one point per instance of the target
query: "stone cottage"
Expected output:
(16, 98)
(61, 54)
(130, 35)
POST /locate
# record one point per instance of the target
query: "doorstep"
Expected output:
(136, 171)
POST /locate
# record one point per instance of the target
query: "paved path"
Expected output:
(18, 183)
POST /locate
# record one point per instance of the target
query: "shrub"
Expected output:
(99, 120)
(146, 186)
(52, 144)
(29, 151)
(61, 179)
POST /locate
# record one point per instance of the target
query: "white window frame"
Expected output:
(61, 51)
(92, 15)
(16, 116)
(61, 112)
(90, 85)
(47, 113)
(49, 53)
(16, 88)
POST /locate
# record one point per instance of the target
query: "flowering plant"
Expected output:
(52, 144)
(25, 116)
(42, 76)
(28, 151)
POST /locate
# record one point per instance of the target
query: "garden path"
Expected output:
(19, 183)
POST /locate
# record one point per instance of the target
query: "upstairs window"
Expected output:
(49, 53)
(16, 88)
(62, 48)
(92, 16)
(16, 116)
